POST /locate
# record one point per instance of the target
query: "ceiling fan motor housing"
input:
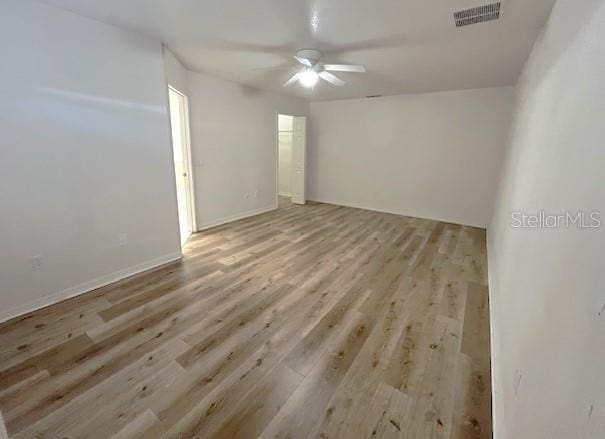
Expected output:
(312, 55)
(312, 70)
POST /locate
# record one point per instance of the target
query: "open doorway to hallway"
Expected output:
(179, 122)
(291, 146)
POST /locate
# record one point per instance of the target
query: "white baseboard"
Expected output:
(395, 212)
(85, 287)
(239, 216)
(497, 385)
(284, 194)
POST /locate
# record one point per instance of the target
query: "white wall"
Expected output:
(286, 136)
(547, 287)
(234, 147)
(432, 155)
(84, 155)
(176, 73)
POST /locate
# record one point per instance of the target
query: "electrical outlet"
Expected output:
(122, 239)
(36, 262)
(517, 381)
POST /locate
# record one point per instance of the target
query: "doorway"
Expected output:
(291, 151)
(181, 150)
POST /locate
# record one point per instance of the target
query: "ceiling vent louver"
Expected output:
(477, 15)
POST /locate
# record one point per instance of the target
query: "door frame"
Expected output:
(302, 197)
(277, 113)
(185, 131)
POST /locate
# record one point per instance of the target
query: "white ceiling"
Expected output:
(407, 46)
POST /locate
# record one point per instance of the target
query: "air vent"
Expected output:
(477, 15)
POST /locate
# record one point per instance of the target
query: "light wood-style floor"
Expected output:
(309, 321)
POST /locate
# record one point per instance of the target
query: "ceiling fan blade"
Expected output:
(334, 80)
(274, 68)
(344, 68)
(291, 81)
(303, 61)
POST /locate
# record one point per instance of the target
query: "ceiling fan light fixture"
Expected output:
(308, 77)
(312, 70)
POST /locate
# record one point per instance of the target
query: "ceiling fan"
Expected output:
(312, 70)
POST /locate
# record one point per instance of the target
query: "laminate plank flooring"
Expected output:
(307, 321)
